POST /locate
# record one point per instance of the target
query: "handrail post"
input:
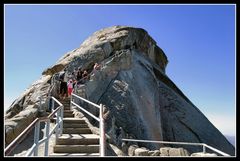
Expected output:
(102, 132)
(47, 140)
(36, 137)
(57, 129)
(52, 108)
(204, 149)
(61, 120)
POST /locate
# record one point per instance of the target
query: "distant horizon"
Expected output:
(199, 41)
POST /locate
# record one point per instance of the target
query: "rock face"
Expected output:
(26, 108)
(132, 84)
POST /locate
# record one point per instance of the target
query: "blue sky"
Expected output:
(199, 41)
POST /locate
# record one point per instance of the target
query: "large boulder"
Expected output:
(133, 86)
(168, 151)
(141, 152)
(178, 152)
(26, 108)
(164, 151)
(15, 125)
(131, 150)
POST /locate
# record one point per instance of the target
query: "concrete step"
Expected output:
(68, 111)
(70, 125)
(65, 99)
(66, 108)
(74, 120)
(76, 149)
(75, 139)
(74, 154)
(71, 120)
(66, 103)
(77, 131)
(68, 115)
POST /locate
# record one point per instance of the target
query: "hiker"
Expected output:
(71, 76)
(74, 84)
(75, 73)
(79, 74)
(95, 72)
(85, 77)
(70, 87)
(96, 66)
(63, 84)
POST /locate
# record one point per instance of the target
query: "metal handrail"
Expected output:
(179, 143)
(20, 137)
(96, 118)
(216, 150)
(100, 120)
(94, 104)
(36, 124)
(59, 124)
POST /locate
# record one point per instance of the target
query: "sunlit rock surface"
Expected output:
(134, 87)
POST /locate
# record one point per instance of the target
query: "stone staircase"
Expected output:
(77, 138)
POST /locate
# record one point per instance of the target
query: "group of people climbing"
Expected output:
(77, 77)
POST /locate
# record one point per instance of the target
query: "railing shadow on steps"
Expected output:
(58, 112)
(99, 119)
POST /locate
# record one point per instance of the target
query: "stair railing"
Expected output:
(36, 124)
(204, 146)
(99, 119)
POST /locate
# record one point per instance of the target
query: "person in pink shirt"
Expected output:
(70, 87)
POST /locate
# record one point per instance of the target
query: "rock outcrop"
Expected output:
(138, 96)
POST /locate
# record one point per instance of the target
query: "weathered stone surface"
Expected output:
(124, 148)
(141, 152)
(9, 133)
(164, 151)
(53, 70)
(178, 152)
(200, 154)
(154, 153)
(15, 125)
(131, 150)
(133, 86)
(29, 97)
(117, 151)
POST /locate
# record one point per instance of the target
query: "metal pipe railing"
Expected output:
(36, 137)
(100, 120)
(36, 123)
(216, 150)
(98, 106)
(47, 136)
(96, 118)
(102, 132)
(20, 137)
(179, 143)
